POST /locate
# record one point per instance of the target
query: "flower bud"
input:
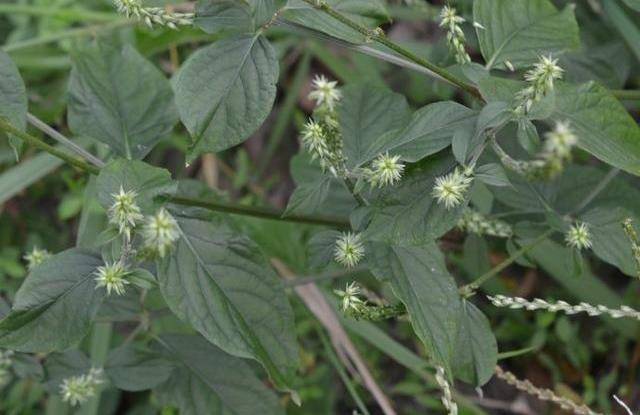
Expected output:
(36, 257)
(579, 236)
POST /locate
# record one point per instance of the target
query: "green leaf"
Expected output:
(369, 13)
(59, 295)
(215, 16)
(608, 64)
(476, 353)
(263, 10)
(218, 281)
(430, 130)
(225, 91)
(419, 278)
(119, 98)
(492, 174)
(132, 369)
(148, 182)
(321, 248)
(60, 366)
(368, 111)
(13, 99)
(23, 175)
(208, 381)
(519, 31)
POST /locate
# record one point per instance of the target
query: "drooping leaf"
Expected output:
(119, 98)
(55, 305)
(368, 111)
(420, 279)
(207, 380)
(133, 369)
(218, 281)
(519, 31)
(225, 91)
(13, 99)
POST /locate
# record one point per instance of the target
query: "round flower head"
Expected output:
(36, 257)
(160, 232)
(325, 92)
(350, 297)
(78, 389)
(386, 170)
(113, 277)
(349, 250)
(560, 141)
(579, 236)
(124, 213)
(451, 189)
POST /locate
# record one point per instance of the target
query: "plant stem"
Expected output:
(470, 288)
(37, 143)
(381, 39)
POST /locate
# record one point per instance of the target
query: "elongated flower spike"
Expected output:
(349, 250)
(450, 20)
(385, 170)
(541, 81)
(160, 232)
(36, 257)
(477, 223)
(325, 92)
(153, 15)
(447, 397)
(112, 277)
(578, 236)
(451, 189)
(77, 390)
(124, 213)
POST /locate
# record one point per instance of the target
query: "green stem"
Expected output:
(627, 95)
(470, 288)
(99, 349)
(379, 37)
(64, 13)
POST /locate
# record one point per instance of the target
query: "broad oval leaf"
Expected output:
(225, 91)
(132, 369)
(119, 98)
(518, 31)
(13, 99)
(215, 16)
(219, 282)
(55, 305)
(208, 381)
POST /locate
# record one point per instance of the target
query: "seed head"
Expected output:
(325, 92)
(153, 15)
(113, 277)
(160, 232)
(386, 170)
(451, 189)
(450, 20)
(579, 236)
(560, 141)
(540, 78)
(351, 300)
(36, 257)
(349, 250)
(124, 213)
(78, 389)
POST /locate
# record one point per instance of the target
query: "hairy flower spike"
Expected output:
(450, 20)
(160, 233)
(350, 297)
(477, 223)
(353, 306)
(579, 236)
(79, 389)
(36, 257)
(452, 188)
(325, 92)
(113, 277)
(153, 15)
(385, 170)
(540, 78)
(124, 213)
(447, 397)
(349, 250)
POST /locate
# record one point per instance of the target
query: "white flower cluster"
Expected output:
(450, 20)
(124, 213)
(540, 82)
(5, 366)
(160, 232)
(561, 306)
(350, 298)
(349, 250)
(79, 389)
(578, 236)
(447, 398)
(325, 92)
(113, 277)
(385, 170)
(451, 189)
(153, 15)
(475, 222)
(36, 257)
(543, 394)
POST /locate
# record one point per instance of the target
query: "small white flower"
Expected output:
(325, 92)
(36, 257)
(544, 72)
(349, 250)
(350, 297)
(113, 277)
(160, 232)
(560, 141)
(451, 189)
(579, 236)
(124, 213)
(79, 389)
(386, 170)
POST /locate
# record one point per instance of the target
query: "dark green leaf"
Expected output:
(13, 99)
(60, 366)
(492, 174)
(133, 369)
(264, 10)
(214, 16)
